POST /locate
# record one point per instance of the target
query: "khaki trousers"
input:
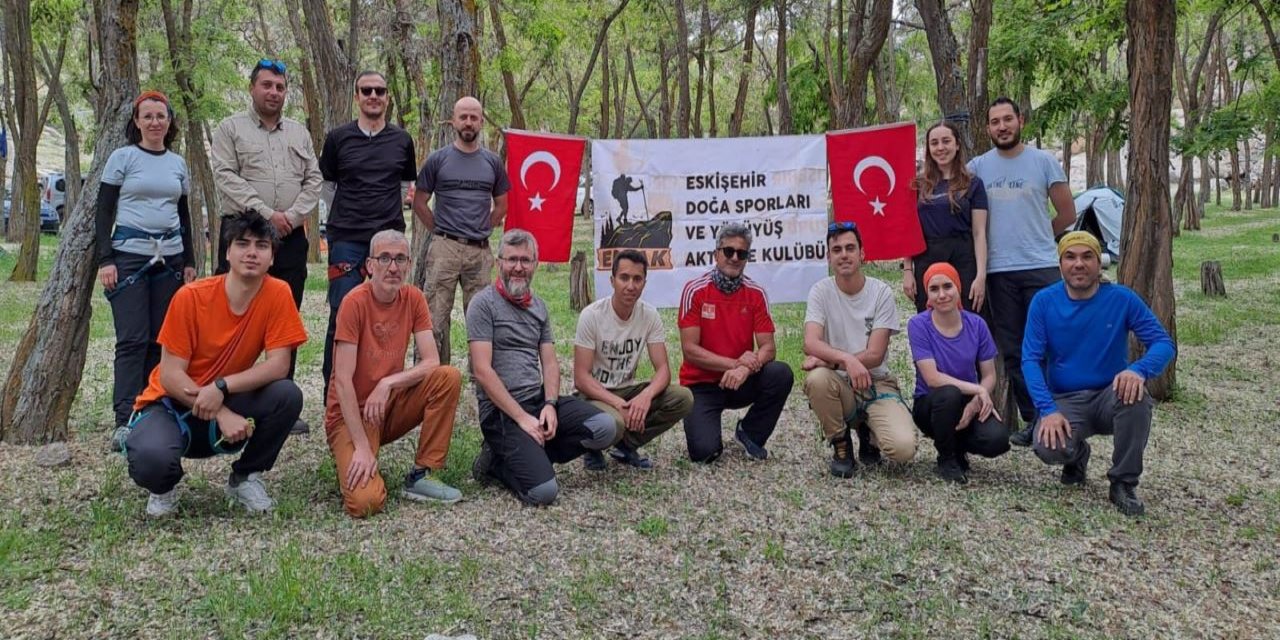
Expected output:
(668, 408)
(838, 407)
(451, 263)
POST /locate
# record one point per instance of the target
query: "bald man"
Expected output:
(470, 185)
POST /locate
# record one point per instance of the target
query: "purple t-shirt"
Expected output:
(957, 357)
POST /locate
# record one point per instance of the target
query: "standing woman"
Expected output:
(143, 241)
(955, 360)
(953, 215)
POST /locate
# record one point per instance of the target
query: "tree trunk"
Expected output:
(1095, 154)
(508, 77)
(635, 87)
(703, 36)
(576, 105)
(1066, 157)
(314, 123)
(682, 70)
(664, 92)
(1147, 238)
(1248, 175)
(744, 73)
(51, 69)
(334, 69)
(1187, 207)
(178, 33)
(864, 40)
(953, 100)
(49, 359)
(620, 97)
(1268, 167)
(979, 35)
(1211, 278)
(24, 214)
(785, 124)
(605, 86)
(885, 76)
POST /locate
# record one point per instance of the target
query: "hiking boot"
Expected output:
(420, 486)
(963, 461)
(950, 471)
(593, 460)
(628, 456)
(480, 469)
(1125, 500)
(118, 438)
(251, 494)
(842, 465)
(1074, 473)
(868, 454)
(1023, 438)
(754, 451)
(299, 428)
(160, 505)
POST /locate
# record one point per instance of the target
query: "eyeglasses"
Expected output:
(271, 65)
(368, 91)
(730, 252)
(386, 260)
(523, 261)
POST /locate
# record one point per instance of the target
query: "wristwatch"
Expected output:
(221, 384)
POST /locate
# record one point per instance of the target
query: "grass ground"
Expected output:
(769, 550)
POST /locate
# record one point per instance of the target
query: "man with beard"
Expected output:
(1075, 359)
(367, 163)
(726, 334)
(374, 400)
(470, 186)
(1020, 180)
(264, 162)
(848, 321)
(527, 424)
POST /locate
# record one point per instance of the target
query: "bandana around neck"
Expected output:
(724, 283)
(523, 301)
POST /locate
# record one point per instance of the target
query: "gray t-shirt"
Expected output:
(464, 185)
(1019, 228)
(516, 335)
(848, 320)
(150, 186)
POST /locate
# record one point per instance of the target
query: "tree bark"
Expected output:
(24, 214)
(744, 73)
(314, 123)
(1186, 206)
(334, 69)
(1147, 238)
(785, 123)
(52, 70)
(885, 76)
(1268, 167)
(635, 87)
(605, 86)
(178, 33)
(979, 36)
(953, 100)
(508, 76)
(664, 92)
(682, 70)
(703, 36)
(576, 105)
(49, 359)
(865, 39)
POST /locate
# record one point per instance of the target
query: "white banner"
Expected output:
(667, 198)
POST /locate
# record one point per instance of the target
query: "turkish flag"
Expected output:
(543, 170)
(871, 173)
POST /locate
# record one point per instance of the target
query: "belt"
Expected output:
(467, 241)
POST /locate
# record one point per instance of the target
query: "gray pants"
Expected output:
(1099, 411)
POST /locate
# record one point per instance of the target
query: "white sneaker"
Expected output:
(251, 494)
(160, 505)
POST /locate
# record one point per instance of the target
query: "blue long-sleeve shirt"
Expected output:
(1072, 345)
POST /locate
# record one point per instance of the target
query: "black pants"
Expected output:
(523, 465)
(1010, 293)
(957, 250)
(288, 264)
(156, 445)
(765, 392)
(937, 414)
(138, 311)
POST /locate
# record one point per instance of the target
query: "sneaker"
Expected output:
(480, 469)
(160, 505)
(593, 460)
(841, 464)
(1075, 473)
(868, 454)
(251, 494)
(950, 471)
(630, 457)
(1022, 438)
(963, 461)
(754, 450)
(299, 428)
(420, 486)
(1125, 500)
(118, 438)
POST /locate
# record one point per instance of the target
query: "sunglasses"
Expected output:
(368, 91)
(836, 228)
(730, 252)
(272, 65)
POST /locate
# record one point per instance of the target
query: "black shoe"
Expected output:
(480, 469)
(868, 454)
(299, 428)
(754, 450)
(950, 471)
(963, 461)
(1125, 500)
(842, 465)
(1022, 438)
(593, 461)
(1075, 473)
(630, 457)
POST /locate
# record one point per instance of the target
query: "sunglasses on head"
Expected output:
(271, 65)
(368, 91)
(836, 228)
(730, 252)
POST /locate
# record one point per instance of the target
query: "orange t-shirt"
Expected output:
(201, 329)
(382, 334)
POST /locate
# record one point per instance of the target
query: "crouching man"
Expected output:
(373, 400)
(210, 395)
(1075, 360)
(526, 423)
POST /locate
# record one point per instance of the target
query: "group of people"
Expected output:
(191, 379)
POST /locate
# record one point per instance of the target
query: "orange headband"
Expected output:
(150, 95)
(944, 269)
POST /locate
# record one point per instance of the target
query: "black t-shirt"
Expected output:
(939, 220)
(368, 171)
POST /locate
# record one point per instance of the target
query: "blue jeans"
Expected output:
(347, 257)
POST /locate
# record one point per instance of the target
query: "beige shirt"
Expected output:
(617, 343)
(265, 170)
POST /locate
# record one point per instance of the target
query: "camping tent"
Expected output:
(1100, 211)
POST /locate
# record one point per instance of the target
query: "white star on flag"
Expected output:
(536, 201)
(877, 206)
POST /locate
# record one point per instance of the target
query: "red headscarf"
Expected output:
(944, 269)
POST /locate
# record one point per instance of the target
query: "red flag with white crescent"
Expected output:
(543, 170)
(871, 172)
